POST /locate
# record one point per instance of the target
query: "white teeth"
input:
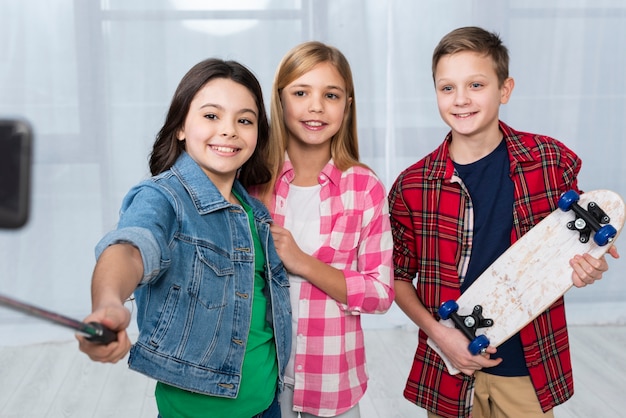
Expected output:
(463, 115)
(224, 149)
(313, 123)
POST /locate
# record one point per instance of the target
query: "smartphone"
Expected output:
(16, 138)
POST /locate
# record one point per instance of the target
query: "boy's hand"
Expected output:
(588, 269)
(454, 345)
(117, 318)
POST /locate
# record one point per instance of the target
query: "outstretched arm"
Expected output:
(117, 273)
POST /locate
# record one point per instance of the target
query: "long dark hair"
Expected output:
(167, 148)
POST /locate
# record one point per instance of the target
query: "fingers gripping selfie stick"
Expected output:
(95, 332)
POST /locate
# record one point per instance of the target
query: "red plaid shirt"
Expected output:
(330, 371)
(431, 224)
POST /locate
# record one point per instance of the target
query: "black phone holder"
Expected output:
(15, 168)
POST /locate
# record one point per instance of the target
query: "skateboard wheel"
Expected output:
(604, 235)
(478, 345)
(567, 199)
(448, 308)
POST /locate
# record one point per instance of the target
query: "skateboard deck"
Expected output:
(534, 272)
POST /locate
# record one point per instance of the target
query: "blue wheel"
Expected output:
(567, 199)
(604, 235)
(478, 344)
(448, 308)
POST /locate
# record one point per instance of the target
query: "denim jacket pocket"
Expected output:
(212, 275)
(166, 316)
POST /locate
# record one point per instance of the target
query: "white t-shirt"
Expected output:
(302, 219)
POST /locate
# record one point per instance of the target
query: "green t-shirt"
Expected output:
(259, 371)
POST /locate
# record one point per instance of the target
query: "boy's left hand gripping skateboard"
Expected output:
(534, 272)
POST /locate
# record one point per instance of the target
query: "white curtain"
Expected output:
(95, 78)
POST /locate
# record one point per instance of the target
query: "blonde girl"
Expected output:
(331, 230)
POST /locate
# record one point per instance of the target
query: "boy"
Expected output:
(454, 212)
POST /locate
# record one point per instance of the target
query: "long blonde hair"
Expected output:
(344, 147)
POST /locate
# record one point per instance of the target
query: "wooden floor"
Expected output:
(55, 380)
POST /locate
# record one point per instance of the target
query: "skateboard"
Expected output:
(534, 272)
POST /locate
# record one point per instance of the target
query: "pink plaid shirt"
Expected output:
(330, 371)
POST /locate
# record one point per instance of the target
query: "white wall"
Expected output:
(95, 79)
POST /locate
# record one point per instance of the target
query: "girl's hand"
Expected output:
(325, 277)
(288, 251)
(117, 318)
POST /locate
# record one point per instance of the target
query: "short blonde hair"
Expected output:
(474, 39)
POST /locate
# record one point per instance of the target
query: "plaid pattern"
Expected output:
(330, 371)
(432, 241)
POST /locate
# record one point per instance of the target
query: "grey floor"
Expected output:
(53, 379)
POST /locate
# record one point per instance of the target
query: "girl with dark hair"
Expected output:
(196, 251)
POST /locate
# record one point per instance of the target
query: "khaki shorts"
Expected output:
(502, 397)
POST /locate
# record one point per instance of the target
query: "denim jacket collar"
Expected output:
(205, 196)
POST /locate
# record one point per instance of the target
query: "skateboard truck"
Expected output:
(468, 324)
(593, 218)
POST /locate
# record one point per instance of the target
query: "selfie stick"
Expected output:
(95, 332)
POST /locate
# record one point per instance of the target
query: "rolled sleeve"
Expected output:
(144, 241)
(370, 287)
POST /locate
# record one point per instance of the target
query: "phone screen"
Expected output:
(15, 168)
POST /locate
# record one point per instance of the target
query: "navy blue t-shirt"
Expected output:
(491, 190)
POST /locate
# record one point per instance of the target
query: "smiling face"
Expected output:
(469, 95)
(220, 130)
(314, 106)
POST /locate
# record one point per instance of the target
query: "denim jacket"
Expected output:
(195, 299)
